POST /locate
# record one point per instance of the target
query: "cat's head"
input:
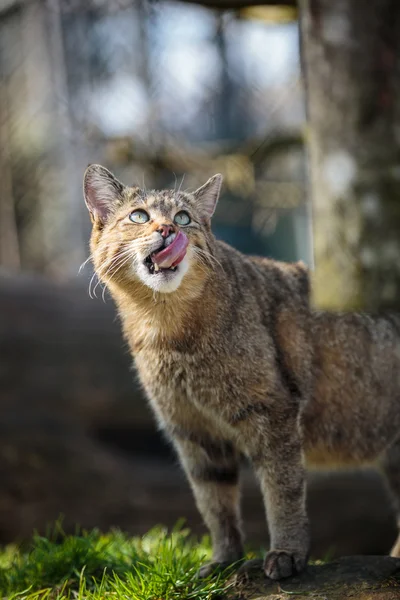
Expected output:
(153, 238)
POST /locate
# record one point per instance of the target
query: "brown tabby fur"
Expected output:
(235, 362)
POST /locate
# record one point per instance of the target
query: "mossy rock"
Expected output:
(347, 578)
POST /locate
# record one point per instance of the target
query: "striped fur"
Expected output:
(234, 361)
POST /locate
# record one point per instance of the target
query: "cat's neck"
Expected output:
(153, 318)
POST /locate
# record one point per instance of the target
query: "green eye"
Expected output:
(139, 216)
(182, 218)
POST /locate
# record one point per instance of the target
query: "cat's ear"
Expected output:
(102, 191)
(207, 196)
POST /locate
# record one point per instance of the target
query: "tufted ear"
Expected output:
(207, 196)
(101, 191)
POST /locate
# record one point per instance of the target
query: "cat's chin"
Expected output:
(164, 281)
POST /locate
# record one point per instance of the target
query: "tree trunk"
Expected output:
(9, 242)
(351, 57)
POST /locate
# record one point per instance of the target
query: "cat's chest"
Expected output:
(208, 381)
(167, 375)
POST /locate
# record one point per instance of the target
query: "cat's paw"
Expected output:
(279, 564)
(213, 567)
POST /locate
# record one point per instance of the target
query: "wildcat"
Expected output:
(234, 361)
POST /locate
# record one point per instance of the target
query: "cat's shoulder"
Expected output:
(278, 274)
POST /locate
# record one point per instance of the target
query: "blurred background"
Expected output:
(163, 94)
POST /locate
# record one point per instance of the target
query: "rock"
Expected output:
(350, 577)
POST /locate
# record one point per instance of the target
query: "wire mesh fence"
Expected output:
(160, 92)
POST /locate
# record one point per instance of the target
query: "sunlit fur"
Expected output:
(236, 361)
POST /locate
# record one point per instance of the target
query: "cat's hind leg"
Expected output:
(391, 469)
(212, 467)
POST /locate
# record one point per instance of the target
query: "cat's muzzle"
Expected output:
(168, 256)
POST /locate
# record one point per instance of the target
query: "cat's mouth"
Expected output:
(154, 268)
(169, 255)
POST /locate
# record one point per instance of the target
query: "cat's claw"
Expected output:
(254, 565)
(212, 568)
(279, 564)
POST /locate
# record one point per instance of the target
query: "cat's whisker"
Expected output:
(97, 253)
(109, 268)
(89, 258)
(114, 273)
(103, 293)
(90, 286)
(200, 265)
(188, 190)
(118, 259)
(142, 242)
(99, 282)
(144, 185)
(212, 258)
(122, 264)
(122, 256)
(179, 189)
(92, 292)
(176, 181)
(103, 271)
(109, 246)
(207, 257)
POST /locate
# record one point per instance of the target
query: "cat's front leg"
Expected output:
(212, 467)
(274, 448)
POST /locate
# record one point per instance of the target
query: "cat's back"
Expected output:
(358, 349)
(264, 279)
(274, 310)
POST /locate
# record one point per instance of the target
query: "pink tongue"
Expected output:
(172, 254)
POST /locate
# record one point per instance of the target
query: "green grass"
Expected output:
(91, 565)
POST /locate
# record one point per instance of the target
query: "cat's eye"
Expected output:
(182, 218)
(139, 216)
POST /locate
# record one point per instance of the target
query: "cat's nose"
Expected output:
(165, 230)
